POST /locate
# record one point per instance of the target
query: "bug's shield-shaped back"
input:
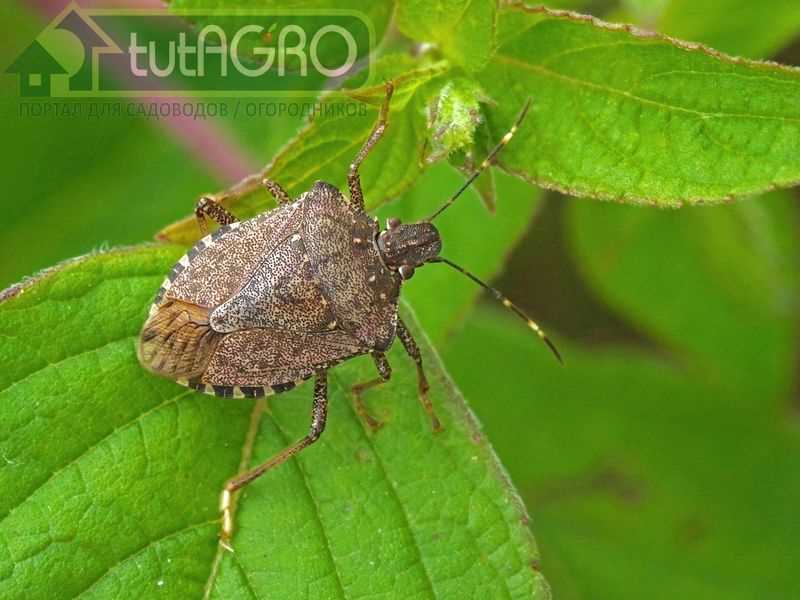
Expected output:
(282, 293)
(362, 291)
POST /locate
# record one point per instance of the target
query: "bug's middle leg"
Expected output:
(353, 178)
(412, 350)
(209, 207)
(385, 372)
(319, 413)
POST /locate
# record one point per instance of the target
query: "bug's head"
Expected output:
(405, 247)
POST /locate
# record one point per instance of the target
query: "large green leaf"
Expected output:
(739, 259)
(631, 116)
(111, 475)
(679, 467)
(645, 479)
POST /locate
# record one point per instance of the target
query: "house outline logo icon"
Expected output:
(36, 66)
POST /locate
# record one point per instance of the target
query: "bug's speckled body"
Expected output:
(262, 304)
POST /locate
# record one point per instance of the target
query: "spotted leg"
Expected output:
(413, 351)
(208, 207)
(319, 413)
(385, 372)
(353, 178)
(274, 188)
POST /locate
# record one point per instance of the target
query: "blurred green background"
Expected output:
(663, 461)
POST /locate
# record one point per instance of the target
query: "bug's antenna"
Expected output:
(505, 302)
(486, 161)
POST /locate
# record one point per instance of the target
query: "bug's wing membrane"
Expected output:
(177, 340)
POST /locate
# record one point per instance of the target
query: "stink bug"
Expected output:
(260, 305)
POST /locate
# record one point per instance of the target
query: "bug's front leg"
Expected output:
(353, 178)
(412, 350)
(385, 372)
(319, 413)
(274, 188)
(208, 207)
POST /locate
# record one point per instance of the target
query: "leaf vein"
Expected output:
(246, 577)
(141, 550)
(244, 461)
(307, 487)
(134, 421)
(44, 367)
(395, 495)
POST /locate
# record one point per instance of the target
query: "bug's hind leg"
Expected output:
(274, 188)
(319, 413)
(208, 207)
(353, 178)
(413, 351)
(385, 372)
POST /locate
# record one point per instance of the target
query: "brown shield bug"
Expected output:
(261, 305)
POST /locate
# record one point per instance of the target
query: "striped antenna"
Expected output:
(505, 302)
(486, 161)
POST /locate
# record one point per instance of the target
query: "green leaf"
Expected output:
(754, 29)
(463, 29)
(739, 259)
(111, 475)
(326, 146)
(639, 465)
(631, 116)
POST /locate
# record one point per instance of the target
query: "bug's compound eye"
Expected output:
(392, 223)
(406, 272)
